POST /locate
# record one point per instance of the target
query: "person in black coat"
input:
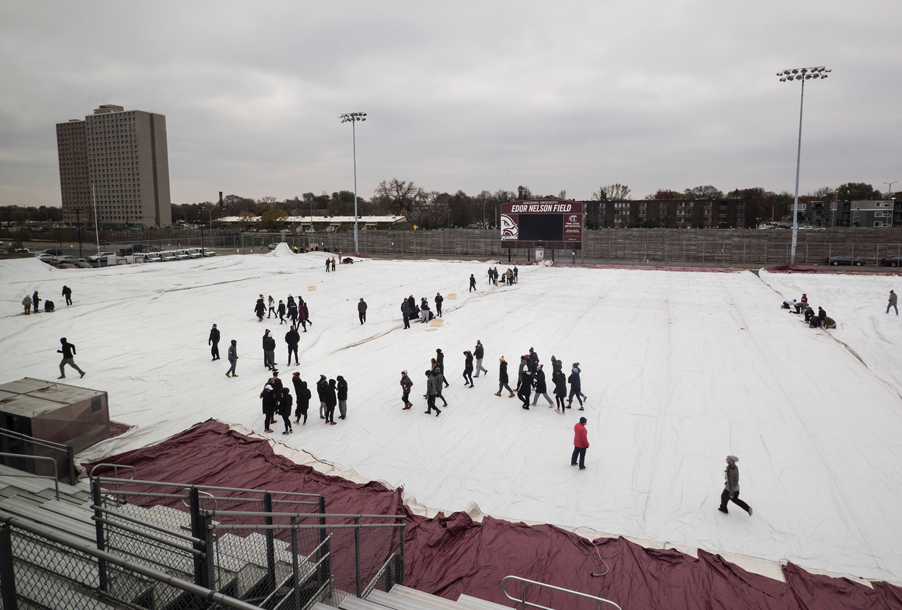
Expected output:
(67, 292)
(331, 401)
(541, 388)
(560, 389)
(440, 358)
(524, 388)
(292, 337)
(468, 368)
(270, 402)
(322, 387)
(532, 361)
(342, 389)
(302, 398)
(285, 410)
(306, 319)
(292, 311)
(575, 387)
(214, 341)
(438, 304)
(68, 352)
(35, 302)
(472, 283)
(281, 310)
(502, 378)
(412, 304)
(260, 309)
(405, 313)
(361, 310)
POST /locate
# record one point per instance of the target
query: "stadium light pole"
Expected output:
(889, 193)
(353, 118)
(801, 74)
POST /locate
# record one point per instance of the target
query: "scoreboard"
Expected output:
(545, 223)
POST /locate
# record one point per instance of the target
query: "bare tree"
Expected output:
(612, 192)
(398, 196)
(703, 192)
(825, 193)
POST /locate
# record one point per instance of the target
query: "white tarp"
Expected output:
(681, 369)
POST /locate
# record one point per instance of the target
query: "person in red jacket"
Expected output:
(580, 443)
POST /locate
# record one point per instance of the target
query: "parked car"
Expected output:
(66, 266)
(845, 260)
(132, 249)
(68, 258)
(194, 253)
(168, 256)
(23, 251)
(273, 245)
(208, 252)
(83, 265)
(96, 257)
(50, 259)
(152, 257)
(51, 251)
(892, 261)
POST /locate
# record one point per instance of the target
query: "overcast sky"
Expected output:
(462, 95)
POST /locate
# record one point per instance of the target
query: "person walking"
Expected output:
(303, 314)
(270, 404)
(333, 263)
(292, 338)
(331, 401)
(440, 358)
(292, 311)
(35, 302)
(560, 389)
(472, 283)
(431, 392)
(892, 302)
(438, 376)
(479, 353)
(731, 487)
(68, 352)
(438, 304)
(67, 293)
(260, 309)
(580, 443)
(26, 303)
(495, 275)
(405, 313)
(233, 359)
(524, 387)
(342, 388)
(575, 387)
(272, 307)
(532, 361)
(541, 387)
(328, 265)
(214, 341)
(468, 368)
(285, 410)
(361, 310)
(281, 310)
(406, 385)
(502, 378)
(322, 386)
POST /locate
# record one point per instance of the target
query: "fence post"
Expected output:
(201, 575)
(7, 573)
(70, 457)
(270, 546)
(294, 562)
(357, 554)
(98, 528)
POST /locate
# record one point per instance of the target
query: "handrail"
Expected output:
(146, 524)
(56, 482)
(87, 549)
(523, 603)
(369, 588)
(115, 468)
(149, 536)
(199, 492)
(247, 513)
(36, 441)
(302, 526)
(171, 484)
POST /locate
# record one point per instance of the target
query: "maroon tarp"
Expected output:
(452, 554)
(792, 269)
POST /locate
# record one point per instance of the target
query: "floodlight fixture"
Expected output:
(801, 74)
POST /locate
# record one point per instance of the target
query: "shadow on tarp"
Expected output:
(451, 554)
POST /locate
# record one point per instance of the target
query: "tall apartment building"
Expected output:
(119, 158)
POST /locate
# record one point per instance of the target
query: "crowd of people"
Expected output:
(32, 303)
(814, 319)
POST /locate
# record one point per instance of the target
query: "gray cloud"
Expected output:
(470, 95)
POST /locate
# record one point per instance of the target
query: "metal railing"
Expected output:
(525, 604)
(56, 482)
(67, 450)
(49, 542)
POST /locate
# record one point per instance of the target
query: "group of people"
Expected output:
(509, 277)
(531, 378)
(410, 309)
(296, 311)
(277, 400)
(814, 319)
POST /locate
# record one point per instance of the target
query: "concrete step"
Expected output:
(427, 599)
(50, 591)
(397, 601)
(474, 603)
(29, 511)
(355, 603)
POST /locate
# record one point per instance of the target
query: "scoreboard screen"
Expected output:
(545, 224)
